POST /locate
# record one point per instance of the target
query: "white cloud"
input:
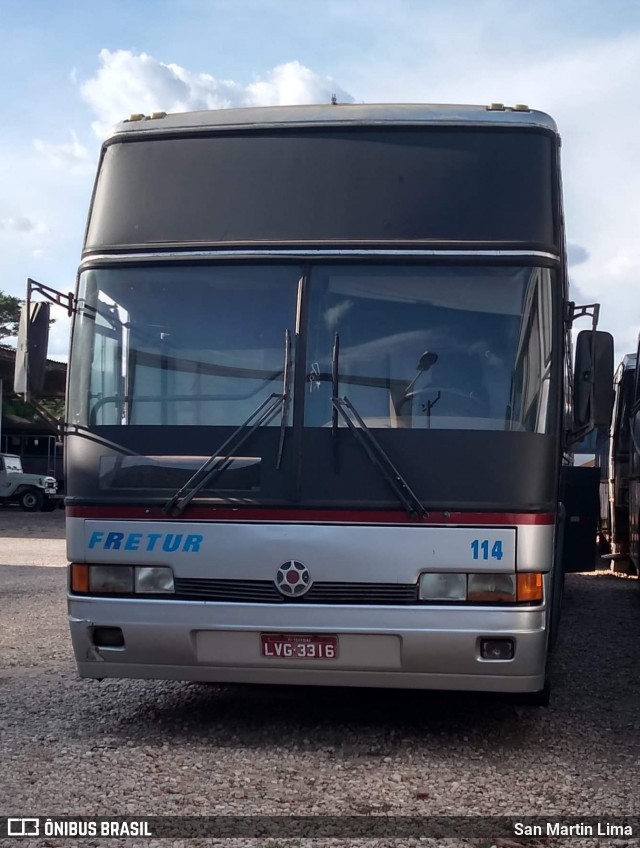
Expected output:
(25, 228)
(293, 84)
(576, 254)
(127, 83)
(19, 224)
(578, 297)
(72, 156)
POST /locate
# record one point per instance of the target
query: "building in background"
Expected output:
(23, 431)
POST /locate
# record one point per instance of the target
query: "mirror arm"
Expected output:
(23, 385)
(67, 301)
(589, 310)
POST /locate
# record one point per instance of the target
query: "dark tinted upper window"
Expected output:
(437, 185)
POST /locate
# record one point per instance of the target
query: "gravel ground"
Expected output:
(73, 747)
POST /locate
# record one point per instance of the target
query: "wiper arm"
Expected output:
(378, 457)
(363, 435)
(335, 391)
(213, 467)
(286, 394)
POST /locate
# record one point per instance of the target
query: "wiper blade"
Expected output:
(220, 460)
(378, 457)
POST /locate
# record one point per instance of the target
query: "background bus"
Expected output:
(634, 468)
(614, 458)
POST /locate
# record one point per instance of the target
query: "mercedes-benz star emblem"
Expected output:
(293, 579)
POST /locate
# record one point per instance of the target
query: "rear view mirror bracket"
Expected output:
(592, 388)
(67, 301)
(33, 336)
(589, 310)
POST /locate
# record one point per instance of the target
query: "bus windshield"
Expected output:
(419, 346)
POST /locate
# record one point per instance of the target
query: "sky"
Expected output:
(71, 70)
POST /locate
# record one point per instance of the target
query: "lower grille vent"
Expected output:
(265, 592)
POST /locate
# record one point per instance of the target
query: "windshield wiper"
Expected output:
(343, 406)
(378, 457)
(286, 395)
(222, 458)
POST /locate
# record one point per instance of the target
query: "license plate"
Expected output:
(291, 646)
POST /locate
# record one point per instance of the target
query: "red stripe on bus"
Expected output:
(331, 516)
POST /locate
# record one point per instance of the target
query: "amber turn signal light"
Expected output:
(79, 577)
(529, 587)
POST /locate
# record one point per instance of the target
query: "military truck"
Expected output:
(33, 492)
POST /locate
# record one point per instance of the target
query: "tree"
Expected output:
(9, 315)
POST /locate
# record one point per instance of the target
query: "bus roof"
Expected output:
(336, 115)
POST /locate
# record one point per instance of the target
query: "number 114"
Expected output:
(480, 549)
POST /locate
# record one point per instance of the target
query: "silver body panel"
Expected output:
(414, 646)
(407, 647)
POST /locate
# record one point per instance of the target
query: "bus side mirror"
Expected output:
(593, 380)
(31, 351)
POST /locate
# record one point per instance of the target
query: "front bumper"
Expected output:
(427, 647)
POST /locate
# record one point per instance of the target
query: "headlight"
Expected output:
(492, 588)
(121, 579)
(443, 587)
(111, 578)
(154, 579)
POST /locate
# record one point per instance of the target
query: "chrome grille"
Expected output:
(265, 592)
